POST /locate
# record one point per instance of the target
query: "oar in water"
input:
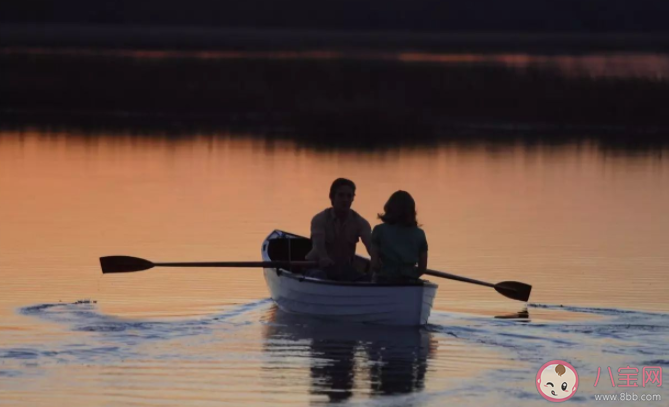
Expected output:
(127, 264)
(511, 289)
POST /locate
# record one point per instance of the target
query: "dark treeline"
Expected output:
(405, 15)
(103, 37)
(94, 128)
(373, 102)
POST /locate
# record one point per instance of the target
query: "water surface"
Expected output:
(585, 226)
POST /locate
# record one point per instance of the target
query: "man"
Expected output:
(335, 233)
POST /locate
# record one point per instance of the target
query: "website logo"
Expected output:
(557, 381)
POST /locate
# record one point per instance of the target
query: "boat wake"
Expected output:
(613, 338)
(423, 366)
(616, 331)
(122, 338)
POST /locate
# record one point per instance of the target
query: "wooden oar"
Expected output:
(128, 264)
(511, 289)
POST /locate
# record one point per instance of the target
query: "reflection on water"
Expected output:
(523, 316)
(251, 353)
(94, 131)
(395, 360)
(558, 217)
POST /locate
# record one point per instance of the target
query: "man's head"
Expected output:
(342, 193)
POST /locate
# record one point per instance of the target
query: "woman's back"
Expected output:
(399, 249)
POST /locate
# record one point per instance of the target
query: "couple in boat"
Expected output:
(397, 247)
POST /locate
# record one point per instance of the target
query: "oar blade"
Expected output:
(514, 290)
(123, 264)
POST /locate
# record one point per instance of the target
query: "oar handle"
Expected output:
(263, 264)
(128, 264)
(459, 278)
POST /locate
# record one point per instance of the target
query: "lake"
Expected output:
(584, 223)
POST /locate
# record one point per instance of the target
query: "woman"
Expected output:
(398, 244)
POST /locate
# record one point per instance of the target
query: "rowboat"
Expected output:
(283, 265)
(406, 304)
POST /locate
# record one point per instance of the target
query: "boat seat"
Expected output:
(288, 249)
(361, 264)
(279, 249)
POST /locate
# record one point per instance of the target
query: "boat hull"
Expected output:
(406, 305)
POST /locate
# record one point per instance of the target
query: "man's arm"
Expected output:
(375, 265)
(319, 251)
(371, 243)
(366, 236)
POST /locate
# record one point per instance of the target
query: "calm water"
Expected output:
(585, 226)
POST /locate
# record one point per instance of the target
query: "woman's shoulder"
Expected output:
(420, 231)
(380, 227)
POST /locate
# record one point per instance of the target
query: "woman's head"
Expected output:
(400, 210)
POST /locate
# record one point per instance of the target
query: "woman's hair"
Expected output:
(400, 210)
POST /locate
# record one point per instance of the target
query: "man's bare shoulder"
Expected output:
(360, 219)
(322, 215)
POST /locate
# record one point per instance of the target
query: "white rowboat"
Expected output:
(366, 302)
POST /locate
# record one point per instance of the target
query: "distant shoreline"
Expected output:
(91, 125)
(351, 101)
(241, 39)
